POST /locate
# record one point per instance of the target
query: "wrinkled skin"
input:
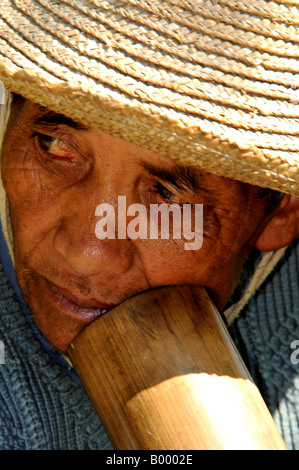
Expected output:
(54, 187)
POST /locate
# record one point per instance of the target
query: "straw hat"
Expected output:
(207, 82)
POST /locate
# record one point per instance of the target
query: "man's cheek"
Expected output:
(167, 262)
(33, 209)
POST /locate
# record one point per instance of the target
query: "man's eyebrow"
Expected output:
(179, 176)
(50, 117)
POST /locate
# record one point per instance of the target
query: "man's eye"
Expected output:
(58, 148)
(163, 192)
(166, 194)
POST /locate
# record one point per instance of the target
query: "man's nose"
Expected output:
(76, 241)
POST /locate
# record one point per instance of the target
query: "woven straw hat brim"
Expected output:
(208, 83)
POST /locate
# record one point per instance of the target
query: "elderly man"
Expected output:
(161, 102)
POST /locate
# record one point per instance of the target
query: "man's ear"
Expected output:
(282, 228)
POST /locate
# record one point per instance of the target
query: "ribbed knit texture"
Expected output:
(41, 407)
(264, 332)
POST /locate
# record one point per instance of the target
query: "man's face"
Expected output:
(56, 173)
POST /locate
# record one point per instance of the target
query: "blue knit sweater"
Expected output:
(44, 407)
(264, 333)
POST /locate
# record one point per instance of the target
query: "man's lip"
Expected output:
(76, 307)
(86, 303)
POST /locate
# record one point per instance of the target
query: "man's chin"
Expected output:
(59, 329)
(60, 335)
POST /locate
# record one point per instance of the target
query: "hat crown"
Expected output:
(208, 83)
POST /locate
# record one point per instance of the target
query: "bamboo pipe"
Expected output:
(163, 374)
